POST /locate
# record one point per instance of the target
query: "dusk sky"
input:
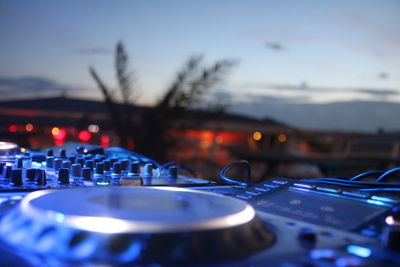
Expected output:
(291, 55)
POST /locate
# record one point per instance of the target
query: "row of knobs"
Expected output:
(14, 174)
(96, 168)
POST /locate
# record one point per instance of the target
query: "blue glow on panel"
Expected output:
(359, 251)
(377, 202)
(59, 217)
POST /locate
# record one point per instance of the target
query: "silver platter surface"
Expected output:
(134, 225)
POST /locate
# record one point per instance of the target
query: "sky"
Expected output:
(296, 60)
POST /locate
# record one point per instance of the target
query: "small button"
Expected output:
(261, 189)
(386, 199)
(242, 196)
(324, 254)
(253, 192)
(270, 185)
(349, 261)
(308, 186)
(355, 194)
(279, 181)
(328, 189)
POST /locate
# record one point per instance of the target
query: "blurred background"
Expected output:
(299, 88)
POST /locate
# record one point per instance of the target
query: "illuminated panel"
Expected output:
(320, 209)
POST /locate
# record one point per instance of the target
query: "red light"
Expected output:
(58, 133)
(84, 136)
(12, 128)
(29, 127)
(105, 140)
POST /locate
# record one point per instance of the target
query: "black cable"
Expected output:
(247, 166)
(352, 182)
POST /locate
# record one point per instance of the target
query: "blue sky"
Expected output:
(299, 51)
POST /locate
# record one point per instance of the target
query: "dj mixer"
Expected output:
(88, 206)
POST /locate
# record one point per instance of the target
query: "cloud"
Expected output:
(300, 87)
(304, 87)
(275, 46)
(92, 51)
(349, 115)
(357, 115)
(383, 75)
(378, 92)
(33, 87)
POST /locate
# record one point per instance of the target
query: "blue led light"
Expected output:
(359, 251)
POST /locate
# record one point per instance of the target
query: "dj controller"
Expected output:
(88, 206)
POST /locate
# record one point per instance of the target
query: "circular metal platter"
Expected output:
(134, 225)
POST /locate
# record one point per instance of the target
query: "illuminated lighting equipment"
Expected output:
(29, 127)
(390, 220)
(207, 139)
(84, 136)
(55, 131)
(257, 136)
(93, 128)
(105, 141)
(12, 128)
(22, 149)
(282, 138)
(59, 135)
